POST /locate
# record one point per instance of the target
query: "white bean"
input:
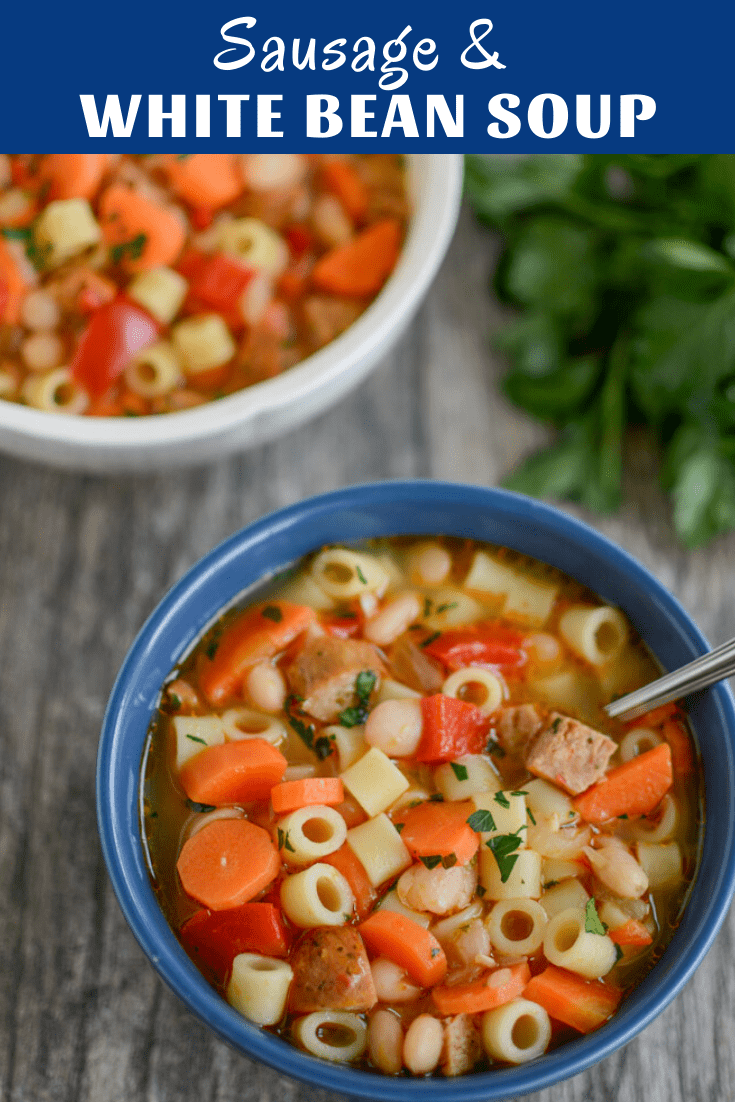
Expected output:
(385, 1041)
(544, 648)
(256, 298)
(422, 1047)
(40, 310)
(393, 619)
(391, 983)
(330, 220)
(265, 687)
(430, 564)
(264, 171)
(42, 351)
(395, 727)
(617, 869)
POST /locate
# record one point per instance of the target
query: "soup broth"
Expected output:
(386, 783)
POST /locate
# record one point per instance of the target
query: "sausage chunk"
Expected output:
(570, 754)
(324, 671)
(412, 667)
(462, 1046)
(331, 972)
(517, 725)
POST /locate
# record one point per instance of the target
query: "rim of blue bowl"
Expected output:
(415, 507)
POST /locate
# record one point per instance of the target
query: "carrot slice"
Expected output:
(208, 180)
(74, 175)
(400, 939)
(362, 266)
(656, 716)
(439, 830)
(13, 283)
(451, 728)
(291, 795)
(259, 633)
(144, 233)
(682, 754)
(233, 772)
(351, 867)
(500, 987)
(582, 1004)
(633, 788)
(631, 932)
(227, 863)
(343, 181)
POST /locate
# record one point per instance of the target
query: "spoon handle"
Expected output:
(704, 671)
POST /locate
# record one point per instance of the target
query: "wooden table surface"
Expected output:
(83, 560)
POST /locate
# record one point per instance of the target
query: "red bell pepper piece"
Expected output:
(485, 645)
(217, 280)
(300, 239)
(116, 331)
(214, 938)
(451, 728)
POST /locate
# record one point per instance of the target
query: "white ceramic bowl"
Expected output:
(268, 409)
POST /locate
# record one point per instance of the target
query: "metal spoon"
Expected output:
(711, 667)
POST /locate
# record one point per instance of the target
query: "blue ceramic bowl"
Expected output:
(396, 508)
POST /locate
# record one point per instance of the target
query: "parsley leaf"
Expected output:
(592, 922)
(321, 746)
(272, 612)
(132, 249)
(360, 575)
(284, 842)
(501, 799)
(431, 861)
(174, 700)
(432, 639)
(619, 954)
(503, 848)
(364, 685)
(481, 821)
(460, 771)
(195, 738)
(445, 607)
(427, 607)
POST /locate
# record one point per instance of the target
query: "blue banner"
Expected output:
(476, 75)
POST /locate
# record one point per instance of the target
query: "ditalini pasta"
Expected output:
(134, 285)
(387, 816)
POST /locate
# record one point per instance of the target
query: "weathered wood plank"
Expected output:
(83, 560)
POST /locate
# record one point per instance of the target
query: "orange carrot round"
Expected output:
(343, 181)
(439, 829)
(582, 1004)
(400, 939)
(346, 862)
(259, 633)
(499, 987)
(634, 788)
(74, 175)
(682, 754)
(233, 772)
(144, 233)
(362, 266)
(209, 180)
(631, 932)
(291, 795)
(227, 863)
(14, 284)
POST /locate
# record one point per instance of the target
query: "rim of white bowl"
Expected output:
(429, 234)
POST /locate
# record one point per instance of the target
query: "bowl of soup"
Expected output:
(160, 310)
(364, 811)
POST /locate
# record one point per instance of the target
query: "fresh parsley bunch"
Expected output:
(625, 269)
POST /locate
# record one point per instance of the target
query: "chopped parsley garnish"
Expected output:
(16, 233)
(132, 249)
(479, 890)
(321, 746)
(399, 826)
(435, 952)
(495, 749)
(556, 724)
(360, 575)
(432, 639)
(503, 848)
(481, 821)
(619, 954)
(448, 861)
(592, 922)
(175, 700)
(623, 816)
(284, 842)
(199, 808)
(502, 800)
(531, 815)
(427, 606)
(435, 798)
(551, 884)
(460, 771)
(213, 644)
(446, 606)
(364, 685)
(273, 612)
(195, 738)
